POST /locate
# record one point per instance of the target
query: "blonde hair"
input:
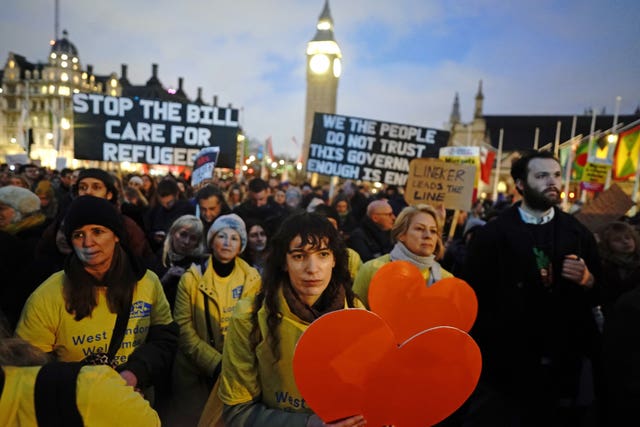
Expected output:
(401, 225)
(191, 222)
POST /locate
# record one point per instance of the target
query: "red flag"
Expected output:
(270, 148)
(487, 156)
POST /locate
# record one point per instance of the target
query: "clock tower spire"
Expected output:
(323, 72)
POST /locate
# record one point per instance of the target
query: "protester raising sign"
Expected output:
(369, 150)
(120, 129)
(203, 166)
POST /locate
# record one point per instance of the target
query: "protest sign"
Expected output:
(433, 181)
(203, 165)
(119, 129)
(594, 176)
(369, 150)
(608, 206)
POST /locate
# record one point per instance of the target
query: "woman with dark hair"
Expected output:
(305, 277)
(73, 313)
(256, 252)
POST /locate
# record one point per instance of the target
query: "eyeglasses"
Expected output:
(384, 213)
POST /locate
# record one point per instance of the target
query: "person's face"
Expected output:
(342, 207)
(209, 208)
(7, 213)
(422, 235)
(67, 179)
(185, 240)
(541, 190)
(17, 182)
(384, 217)
(257, 239)
(44, 200)
(167, 202)
(93, 187)
(226, 245)
(309, 269)
(622, 243)
(258, 199)
(74, 177)
(280, 197)
(94, 245)
(135, 184)
(235, 195)
(31, 173)
(146, 182)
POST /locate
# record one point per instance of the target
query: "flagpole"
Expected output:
(535, 139)
(567, 172)
(611, 145)
(557, 141)
(583, 196)
(494, 195)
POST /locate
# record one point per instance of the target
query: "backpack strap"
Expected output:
(55, 395)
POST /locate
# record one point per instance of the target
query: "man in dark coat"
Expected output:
(258, 206)
(373, 238)
(534, 270)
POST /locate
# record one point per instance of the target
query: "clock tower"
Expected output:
(323, 72)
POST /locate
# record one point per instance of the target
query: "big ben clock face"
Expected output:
(337, 67)
(319, 63)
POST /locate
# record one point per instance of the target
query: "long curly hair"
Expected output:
(314, 230)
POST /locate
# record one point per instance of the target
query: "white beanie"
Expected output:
(23, 201)
(232, 221)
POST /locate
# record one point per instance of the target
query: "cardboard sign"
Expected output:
(348, 363)
(608, 206)
(369, 150)
(119, 129)
(399, 294)
(434, 182)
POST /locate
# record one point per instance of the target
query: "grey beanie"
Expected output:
(23, 201)
(232, 221)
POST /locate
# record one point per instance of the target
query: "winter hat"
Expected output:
(136, 180)
(23, 201)
(92, 210)
(232, 221)
(101, 175)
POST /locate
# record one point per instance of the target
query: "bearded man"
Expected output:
(534, 270)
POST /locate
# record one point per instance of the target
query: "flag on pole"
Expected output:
(23, 126)
(487, 157)
(580, 160)
(270, 148)
(625, 159)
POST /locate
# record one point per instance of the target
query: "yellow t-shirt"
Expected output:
(46, 324)
(102, 397)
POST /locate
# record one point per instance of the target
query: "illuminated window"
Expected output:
(64, 77)
(114, 83)
(12, 63)
(53, 55)
(84, 76)
(64, 64)
(52, 89)
(64, 90)
(43, 90)
(74, 60)
(64, 57)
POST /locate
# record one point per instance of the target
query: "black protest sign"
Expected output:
(369, 150)
(120, 129)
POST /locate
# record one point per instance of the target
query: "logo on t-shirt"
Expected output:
(140, 309)
(236, 292)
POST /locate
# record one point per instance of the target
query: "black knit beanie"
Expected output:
(101, 175)
(92, 210)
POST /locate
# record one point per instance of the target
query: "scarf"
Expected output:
(329, 301)
(401, 253)
(25, 223)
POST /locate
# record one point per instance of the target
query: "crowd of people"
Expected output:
(195, 297)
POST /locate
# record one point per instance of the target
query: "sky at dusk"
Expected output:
(403, 60)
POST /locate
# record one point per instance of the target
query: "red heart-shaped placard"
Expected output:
(398, 293)
(347, 363)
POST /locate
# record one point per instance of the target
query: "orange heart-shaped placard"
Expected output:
(347, 363)
(398, 293)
